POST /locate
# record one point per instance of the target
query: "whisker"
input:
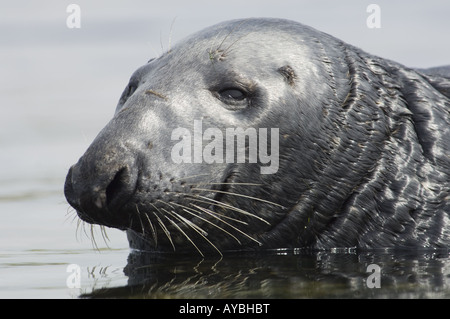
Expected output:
(193, 213)
(196, 228)
(181, 231)
(78, 230)
(170, 35)
(219, 183)
(211, 213)
(104, 235)
(210, 52)
(228, 48)
(218, 214)
(239, 195)
(152, 228)
(71, 215)
(93, 241)
(164, 228)
(237, 26)
(165, 203)
(140, 221)
(190, 211)
(194, 176)
(83, 227)
(160, 41)
(209, 201)
(154, 234)
(234, 208)
(139, 214)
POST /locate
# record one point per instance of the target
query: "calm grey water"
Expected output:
(287, 274)
(59, 87)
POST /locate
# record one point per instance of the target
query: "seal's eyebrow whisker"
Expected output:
(232, 30)
(227, 50)
(213, 53)
(170, 34)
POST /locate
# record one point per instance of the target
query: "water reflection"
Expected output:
(285, 274)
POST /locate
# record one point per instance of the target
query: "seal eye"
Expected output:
(234, 98)
(232, 94)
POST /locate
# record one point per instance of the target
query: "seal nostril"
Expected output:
(118, 186)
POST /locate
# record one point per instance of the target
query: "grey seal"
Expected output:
(363, 147)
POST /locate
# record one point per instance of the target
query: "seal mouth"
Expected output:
(202, 216)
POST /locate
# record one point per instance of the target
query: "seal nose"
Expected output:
(99, 191)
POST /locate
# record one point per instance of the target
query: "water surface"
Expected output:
(59, 87)
(287, 274)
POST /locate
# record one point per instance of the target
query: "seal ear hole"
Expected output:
(288, 73)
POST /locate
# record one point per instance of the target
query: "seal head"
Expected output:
(362, 147)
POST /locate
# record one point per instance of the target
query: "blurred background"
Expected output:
(59, 87)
